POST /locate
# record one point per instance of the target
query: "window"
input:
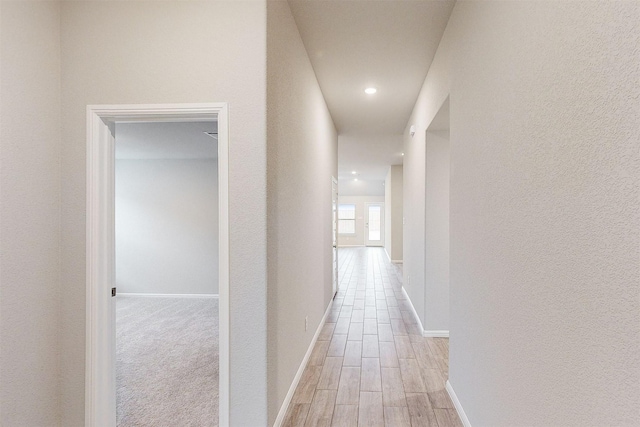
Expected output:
(347, 219)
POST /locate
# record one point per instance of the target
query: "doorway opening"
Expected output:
(437, 182)
(166, 231)
(157, 231)
(334, 221)
(374, 224)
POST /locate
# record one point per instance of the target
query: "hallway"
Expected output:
(370, 365)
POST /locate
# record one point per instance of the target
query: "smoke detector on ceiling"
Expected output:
(412, 130)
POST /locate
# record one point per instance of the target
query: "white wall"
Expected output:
(393, 199)
(29, 213)
(171, 52)
(167, 226)
(387, 212)
(545, 209)
(436, 315)
(357, 239)
(397, 212)
(302, 158)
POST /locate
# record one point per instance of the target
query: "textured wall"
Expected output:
(302, 158)
(361, 204)
(29, 213)
(436, 264)
(167, 226)
(395, 223)
(545, 215)
(171, 52)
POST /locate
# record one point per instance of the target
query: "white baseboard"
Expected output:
(350, 246)
(395, 261)
(287, 400)
(129, 294)
(458, 405)
(435, 334)
(415, 313)
(431, 334)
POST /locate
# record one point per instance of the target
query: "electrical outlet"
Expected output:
(306, 323)
(408, 280)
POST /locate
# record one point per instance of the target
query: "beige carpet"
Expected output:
(167, 361)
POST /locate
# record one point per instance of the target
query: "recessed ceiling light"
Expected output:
(355, 179)
(353, 172)
(370, 90)
(402, 154)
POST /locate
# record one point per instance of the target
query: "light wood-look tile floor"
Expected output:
(371, 366)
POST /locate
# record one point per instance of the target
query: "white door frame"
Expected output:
(366, 223)
(334, 222)
(100, 391)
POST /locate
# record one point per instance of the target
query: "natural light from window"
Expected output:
(375, 222)
(346, 219)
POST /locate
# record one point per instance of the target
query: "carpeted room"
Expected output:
(166, 228)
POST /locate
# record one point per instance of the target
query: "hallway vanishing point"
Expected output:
(371, 366)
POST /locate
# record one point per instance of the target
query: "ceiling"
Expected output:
(166, 140)
(370, 157)
(357, 44)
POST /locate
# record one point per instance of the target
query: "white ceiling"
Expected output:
(166, 140)
(370, 157)
(360, 43)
